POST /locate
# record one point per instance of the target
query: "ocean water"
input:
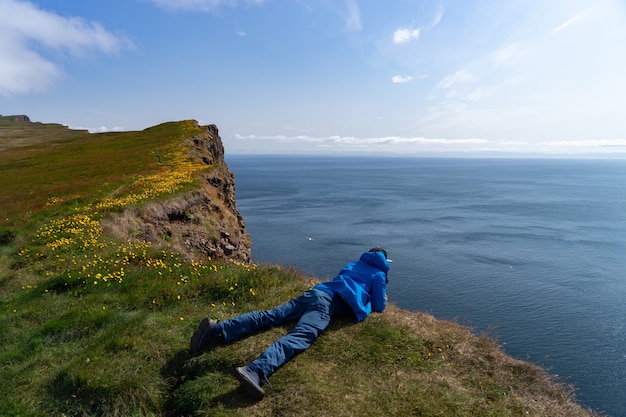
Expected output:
(534, 250)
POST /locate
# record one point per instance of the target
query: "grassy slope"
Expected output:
(23, 133)
(94, 326)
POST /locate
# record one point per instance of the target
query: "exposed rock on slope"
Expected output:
(200, 223)
(18, 118)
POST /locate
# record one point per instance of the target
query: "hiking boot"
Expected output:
(250, 379)
(202, 335)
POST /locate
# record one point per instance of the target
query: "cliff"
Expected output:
(200, 223)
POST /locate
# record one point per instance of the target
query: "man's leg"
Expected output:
(315, 309)
(210, 331)
(239, 326)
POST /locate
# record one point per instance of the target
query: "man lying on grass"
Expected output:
(358, 289)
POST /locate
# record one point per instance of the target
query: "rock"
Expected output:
(200, 223)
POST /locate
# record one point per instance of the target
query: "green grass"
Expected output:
(94, 326)
(81, 168)
(103, 349)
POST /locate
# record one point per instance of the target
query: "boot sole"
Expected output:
(253, 390)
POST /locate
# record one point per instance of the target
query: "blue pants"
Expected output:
(313, 310)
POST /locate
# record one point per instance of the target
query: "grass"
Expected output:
(81, 169)
(91, 325)
(15, 133)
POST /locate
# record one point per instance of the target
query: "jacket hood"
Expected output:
(376, 259)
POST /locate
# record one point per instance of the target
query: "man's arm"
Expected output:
(379, 293)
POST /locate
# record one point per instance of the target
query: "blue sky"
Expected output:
(328, 76)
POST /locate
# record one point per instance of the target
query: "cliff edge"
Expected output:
(200, 223)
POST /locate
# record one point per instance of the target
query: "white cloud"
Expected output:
(478, 94)
(204, 5)
(399, 79)
(560, 77)
(459, 77)
(405, 35)
(354, 140)
(591, 143)
(353, 21)
(351, 144)
(437, 19)
(23, 71)
(569, 22)
(415, 145)
(101, 129)
(506, 55)
(24, 29)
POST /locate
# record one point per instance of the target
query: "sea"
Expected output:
(532, 251)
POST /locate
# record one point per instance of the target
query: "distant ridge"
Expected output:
(17, 118)
(19, 130)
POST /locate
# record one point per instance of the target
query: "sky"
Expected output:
(393, 77)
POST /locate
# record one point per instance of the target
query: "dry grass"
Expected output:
(471, 357)
(398, 363)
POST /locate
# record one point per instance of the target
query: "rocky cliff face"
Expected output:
(200, 223)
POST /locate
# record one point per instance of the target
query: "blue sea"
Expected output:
(533, 250)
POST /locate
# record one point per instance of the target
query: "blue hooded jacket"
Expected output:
(362, 284)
